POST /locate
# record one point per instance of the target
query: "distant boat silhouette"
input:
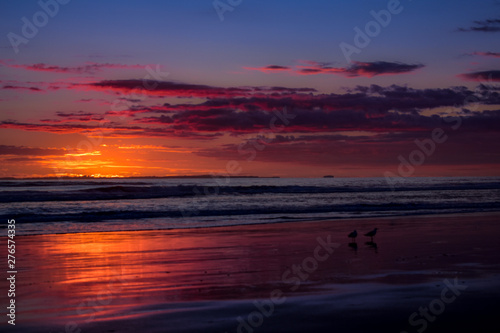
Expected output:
(371, 234)
(353, 235)
(328, 176)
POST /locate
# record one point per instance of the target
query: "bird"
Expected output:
(371, 234)
(353, 235)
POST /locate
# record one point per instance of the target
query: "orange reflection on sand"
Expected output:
(86, 277)
(95, 277)
(102, 276)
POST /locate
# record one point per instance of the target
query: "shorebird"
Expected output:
(353, 235)
(371, 233)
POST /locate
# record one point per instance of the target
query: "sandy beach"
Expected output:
(435, 273)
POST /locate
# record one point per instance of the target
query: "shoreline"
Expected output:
(291, 220)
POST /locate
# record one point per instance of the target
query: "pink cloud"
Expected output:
(488, 54)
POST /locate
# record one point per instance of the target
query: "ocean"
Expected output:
(97, 205)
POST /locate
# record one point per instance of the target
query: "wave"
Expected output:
(105, 191)
(387, 209)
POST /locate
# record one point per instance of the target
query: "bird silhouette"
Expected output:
(353, 235)
(371, 234)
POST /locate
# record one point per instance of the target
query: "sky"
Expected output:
(239, 87)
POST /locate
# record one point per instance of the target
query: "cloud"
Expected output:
(50, 128)
(109, 130)
(269, 69)
(11, 87)
(491, 25)
(30, 151)
(356, 69)
(380, 150)
(87, 68)
(370, 69)
(369, 108)
(314, 121)
(77, 115)
(488, 54)
(489, 76)
(80, 116)
(372, 99)
(176, 89)
(23, 159)
(248, 110)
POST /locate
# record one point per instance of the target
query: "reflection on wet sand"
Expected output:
(372, 245)
(84, 279)
(353, 246)
(87, 277)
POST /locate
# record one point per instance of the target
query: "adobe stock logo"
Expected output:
(221, 7)
(29, 29)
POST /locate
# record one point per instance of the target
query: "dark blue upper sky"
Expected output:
(190, 39)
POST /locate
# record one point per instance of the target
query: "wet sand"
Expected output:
(288, 277)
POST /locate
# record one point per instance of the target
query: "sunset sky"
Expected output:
(164, 88)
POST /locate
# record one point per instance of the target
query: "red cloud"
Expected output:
(166, 88)
(373, 99)
(375, 109)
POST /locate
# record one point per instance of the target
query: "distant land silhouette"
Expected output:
(133, 177)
